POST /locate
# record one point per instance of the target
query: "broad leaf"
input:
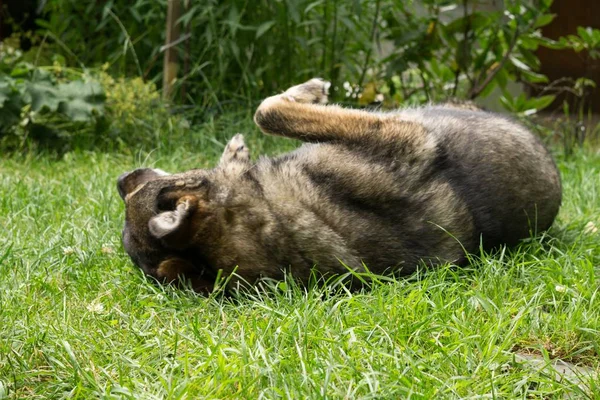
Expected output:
(544, 20)
(43, 96)
(5, 89)
(82, 100)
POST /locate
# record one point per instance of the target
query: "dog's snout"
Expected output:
(130, 181)
(121, 184)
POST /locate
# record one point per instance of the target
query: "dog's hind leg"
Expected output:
(300, 113)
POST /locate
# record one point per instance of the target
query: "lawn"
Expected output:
(78, 320)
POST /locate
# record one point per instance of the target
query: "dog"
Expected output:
(383, 192)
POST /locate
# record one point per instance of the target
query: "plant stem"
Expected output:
(372, 39)
(333, 42)
(129, 43)
(425, 82)
(325, 26)
(476, 90)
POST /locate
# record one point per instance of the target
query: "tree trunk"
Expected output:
(171, 64)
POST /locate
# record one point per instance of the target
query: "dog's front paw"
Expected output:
(236, 150)
(314, 91)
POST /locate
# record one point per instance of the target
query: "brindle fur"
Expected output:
(385, 190)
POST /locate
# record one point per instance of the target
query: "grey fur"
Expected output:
(386, 190)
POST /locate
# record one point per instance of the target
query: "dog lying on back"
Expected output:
(383, 190)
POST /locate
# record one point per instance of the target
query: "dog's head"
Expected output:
(164, 214)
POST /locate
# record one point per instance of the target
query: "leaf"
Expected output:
(585, 33)
(187, 17)
(529, 42)
(292, 10)
(106, 9)
(42, 23)
(547, 3)
(530, 59)
(552, 44)
(3, 97)
(263, 28)
(534, 77)
(79, 110)
(486, 303)
(21, 70)
(348, 23)
(5, 89)
(581, 83)
(520, 102)
(519, 64)
(544, 20)
(312, 5)
(233, 19)
(489, 89)
(539, 103)
(513, 103)
(82, 89)
(473, 22)
(235, 49)
(43, 96)
(135, 14)
(502, 78)
(82, 100)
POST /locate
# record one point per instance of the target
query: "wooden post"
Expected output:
(187, 51)
(171, 64)
(1, 22)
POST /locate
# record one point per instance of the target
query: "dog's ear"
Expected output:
(174, 227)
(129, 181)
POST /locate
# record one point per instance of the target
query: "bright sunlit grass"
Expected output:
(78, 320)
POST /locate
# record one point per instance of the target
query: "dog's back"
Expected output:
(502, 171)
(477, 174)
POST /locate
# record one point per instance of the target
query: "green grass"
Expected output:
(78, 320)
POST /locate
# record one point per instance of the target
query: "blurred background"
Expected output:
(117, 71)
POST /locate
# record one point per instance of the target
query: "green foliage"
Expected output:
(134, 106)
(587, 39)
(39, 102)
(240, 50)
(59, 108)
(447, 49)
(89, 34)
(524, 105)
(234, 53)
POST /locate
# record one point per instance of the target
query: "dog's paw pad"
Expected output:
(314, 91)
